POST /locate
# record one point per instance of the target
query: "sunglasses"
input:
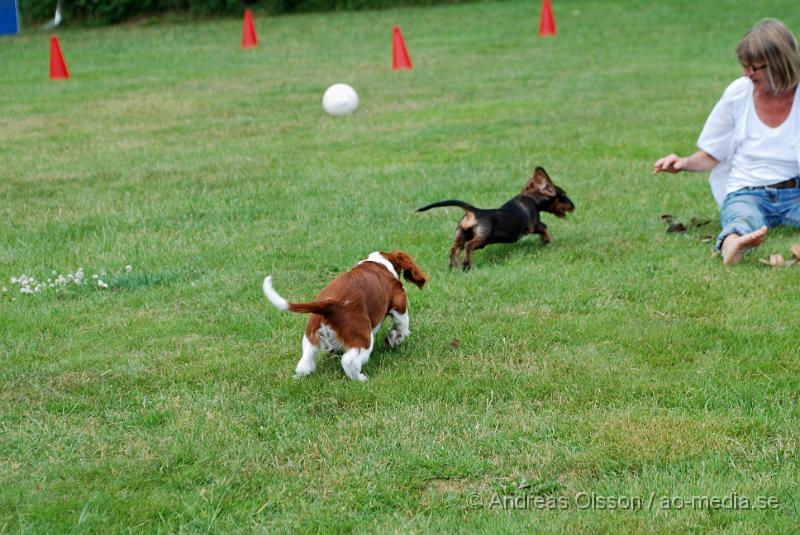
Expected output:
(754, 68)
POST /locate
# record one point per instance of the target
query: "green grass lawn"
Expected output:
(618, 362)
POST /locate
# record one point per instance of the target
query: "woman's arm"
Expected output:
(698, 162)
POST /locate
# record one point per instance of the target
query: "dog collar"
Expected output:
(378, 258)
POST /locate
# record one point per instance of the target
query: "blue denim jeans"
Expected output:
(748, 209)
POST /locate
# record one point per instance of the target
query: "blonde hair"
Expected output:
(772, 43)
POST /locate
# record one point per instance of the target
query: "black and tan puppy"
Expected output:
(507, 224)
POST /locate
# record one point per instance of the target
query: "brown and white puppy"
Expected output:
(348, 312)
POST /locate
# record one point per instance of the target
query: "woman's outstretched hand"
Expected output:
(669, 164)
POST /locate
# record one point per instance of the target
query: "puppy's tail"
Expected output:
(315, 307)
(451, 202)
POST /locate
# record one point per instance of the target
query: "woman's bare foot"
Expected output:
(734, 246)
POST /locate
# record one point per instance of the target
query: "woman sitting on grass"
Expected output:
(751, 142)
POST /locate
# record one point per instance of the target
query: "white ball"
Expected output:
(340, 99)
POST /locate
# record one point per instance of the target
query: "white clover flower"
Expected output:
(29, 285)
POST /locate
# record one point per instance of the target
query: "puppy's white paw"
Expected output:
(362, 377)
(302, 371)
(393, 338)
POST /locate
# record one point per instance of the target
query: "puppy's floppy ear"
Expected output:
(405, 264)
(539, 184)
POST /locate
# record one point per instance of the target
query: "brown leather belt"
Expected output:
(786, 184)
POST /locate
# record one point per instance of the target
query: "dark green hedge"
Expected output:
(112, 11)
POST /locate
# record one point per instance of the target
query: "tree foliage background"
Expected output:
(114, 11)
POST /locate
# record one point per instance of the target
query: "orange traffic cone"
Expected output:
(547, 23)
(400, 59)
(249, 39)
(58, 69)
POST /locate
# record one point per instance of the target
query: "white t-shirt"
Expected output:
(727, 128)
(765, 156)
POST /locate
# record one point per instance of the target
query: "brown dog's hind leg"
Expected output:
(458, 244)
(475, 243)
(362, 340)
